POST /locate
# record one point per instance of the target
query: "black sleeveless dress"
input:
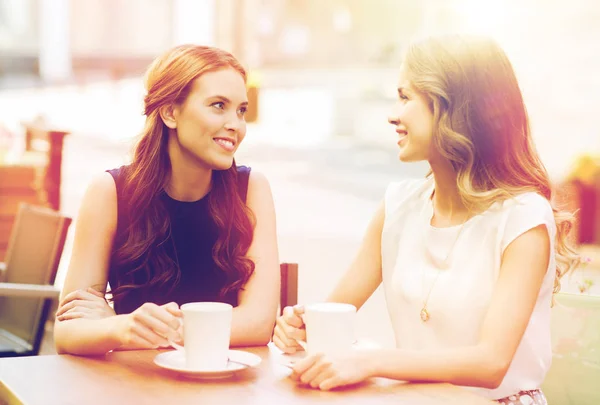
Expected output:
(192, 238)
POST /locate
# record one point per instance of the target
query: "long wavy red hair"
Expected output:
(169, 80)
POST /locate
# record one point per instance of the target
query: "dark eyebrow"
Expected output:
(226, 100)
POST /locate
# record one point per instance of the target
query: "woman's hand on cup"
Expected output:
(86, 304)
(289, 329)
(150, 326)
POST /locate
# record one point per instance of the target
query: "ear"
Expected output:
(168, 115)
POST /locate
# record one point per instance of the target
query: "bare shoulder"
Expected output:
(258, 187)
(258, 180)
(260, 198)
(101, 191)
(100, 199)
(103, 184)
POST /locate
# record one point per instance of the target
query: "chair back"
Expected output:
(33, 255)
(574, 376)
(289, 285)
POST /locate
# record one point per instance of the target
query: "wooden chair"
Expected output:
(289, 285)
(27, 288)
(575, 372)
(39, 138)
(18, 184)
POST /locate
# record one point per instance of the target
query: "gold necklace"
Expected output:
(424, 314)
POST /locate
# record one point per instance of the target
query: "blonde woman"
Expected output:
(469, 256)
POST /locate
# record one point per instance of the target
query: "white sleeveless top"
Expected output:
(461, 295)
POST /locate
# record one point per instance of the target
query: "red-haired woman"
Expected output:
(181, 223)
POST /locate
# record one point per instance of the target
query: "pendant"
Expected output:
(424, 315)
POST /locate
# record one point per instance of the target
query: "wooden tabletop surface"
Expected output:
(131, 377)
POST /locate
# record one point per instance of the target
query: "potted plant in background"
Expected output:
(585, 181)
(585, 284)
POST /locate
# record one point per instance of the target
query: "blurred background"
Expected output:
(322, 81)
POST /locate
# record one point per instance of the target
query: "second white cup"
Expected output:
(329, 327)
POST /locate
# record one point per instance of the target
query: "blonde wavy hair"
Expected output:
(480, 126)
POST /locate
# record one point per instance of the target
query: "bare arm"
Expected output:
(364, 275)
(254, 317)
(524, 265)
(357, 285)
(94, 233)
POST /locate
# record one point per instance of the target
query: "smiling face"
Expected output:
(413, 120)
(209, 125)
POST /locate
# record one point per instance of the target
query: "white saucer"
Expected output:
(238, 360)
(288, 360)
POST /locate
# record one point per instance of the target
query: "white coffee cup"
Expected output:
(206, 335)
(329, 327)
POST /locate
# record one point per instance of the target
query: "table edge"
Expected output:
(6, 394)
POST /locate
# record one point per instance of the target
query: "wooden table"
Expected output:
(132, 378)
